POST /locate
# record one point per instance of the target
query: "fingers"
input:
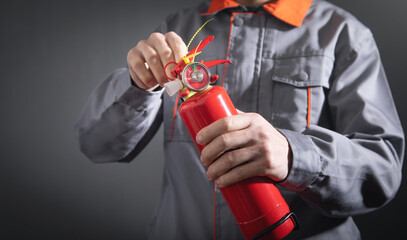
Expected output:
(243, 146)
(223, 143)
(152, 57)
(177, 45)
(221, 126)
(142, 76)
(230, 160)
(138, 80)
(239, 173)
(164, 53)
(147, 60)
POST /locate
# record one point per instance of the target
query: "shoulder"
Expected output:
(330, 19)
(322, 8)
(328, 13)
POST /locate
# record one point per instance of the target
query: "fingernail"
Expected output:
(217, 183)
(198, 139)
(208, 175)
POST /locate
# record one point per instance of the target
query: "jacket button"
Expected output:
(303, 76)
(238, 21)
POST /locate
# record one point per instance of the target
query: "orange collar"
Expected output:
(289, 11)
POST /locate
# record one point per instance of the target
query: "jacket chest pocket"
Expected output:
(296, 92)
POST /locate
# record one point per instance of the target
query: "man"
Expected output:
(317, 117)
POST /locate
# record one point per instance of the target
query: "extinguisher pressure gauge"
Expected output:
(196, 76)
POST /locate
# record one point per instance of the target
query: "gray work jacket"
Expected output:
(346, 162)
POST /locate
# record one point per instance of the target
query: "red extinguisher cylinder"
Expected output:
(256, 203)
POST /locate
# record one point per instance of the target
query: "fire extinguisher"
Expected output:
(256, 203)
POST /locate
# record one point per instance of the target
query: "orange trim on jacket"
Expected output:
(289, 11)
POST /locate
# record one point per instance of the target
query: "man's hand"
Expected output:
(147, 60)
(244, 146)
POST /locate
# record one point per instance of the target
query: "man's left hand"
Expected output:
(243, 146)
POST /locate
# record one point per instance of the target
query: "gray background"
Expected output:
(52, 55)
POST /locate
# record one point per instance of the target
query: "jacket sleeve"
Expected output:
(118, 120)
(354, 166)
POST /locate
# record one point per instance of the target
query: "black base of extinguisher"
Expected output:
(290, 215)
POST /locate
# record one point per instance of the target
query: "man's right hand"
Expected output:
(147, 59)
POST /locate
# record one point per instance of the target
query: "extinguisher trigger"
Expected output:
(216, 62)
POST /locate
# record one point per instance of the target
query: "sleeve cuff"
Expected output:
(306, 163)
(133, 96)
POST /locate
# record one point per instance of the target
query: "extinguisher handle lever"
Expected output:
(201, 45)
(216, 62)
